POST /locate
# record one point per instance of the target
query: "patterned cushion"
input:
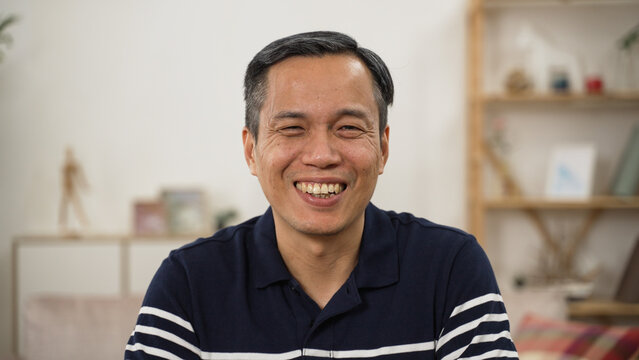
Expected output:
(541, 338)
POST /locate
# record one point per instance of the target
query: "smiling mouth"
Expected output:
(320, 190)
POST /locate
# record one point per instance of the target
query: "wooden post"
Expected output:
(474, 127)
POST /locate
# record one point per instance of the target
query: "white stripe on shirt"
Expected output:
(370, 353)
(475, 302)
(250, 355)
(336, 354)
(493, 354)
(470, 325)
(152, 351)
(478, 339)
(168, 336)
(167, 316)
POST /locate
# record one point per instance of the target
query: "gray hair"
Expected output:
(312, 44)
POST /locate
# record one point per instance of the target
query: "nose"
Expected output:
(320, 151)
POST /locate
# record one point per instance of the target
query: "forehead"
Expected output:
(326, 66)
(330, 80)
(328, 62)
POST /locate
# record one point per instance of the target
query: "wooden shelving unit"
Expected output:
(594, 203)
(479, 101)
(605, 99)
(481, 158)
(602, 308)
(546, 3)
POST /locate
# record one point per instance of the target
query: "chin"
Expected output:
(320, 229)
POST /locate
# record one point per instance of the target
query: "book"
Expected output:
(628, 289)
(626, 180)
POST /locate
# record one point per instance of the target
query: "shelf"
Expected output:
(100, 238)
(602, 308)
(498, 4)
(630, 98)
(597, 202)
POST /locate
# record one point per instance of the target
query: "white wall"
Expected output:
(149, 94)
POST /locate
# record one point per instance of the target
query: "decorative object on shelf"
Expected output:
(497, 136)
(559, 80)
(547, 62)
(509, 184)
(594, 84)
(558, 264)
(149, 218)
(224, 217)
(627, 67)
(6, 38)
(73, 180)
(628, 288)
(186, 211)
(626, 180)
(571, 171)
(518, 82)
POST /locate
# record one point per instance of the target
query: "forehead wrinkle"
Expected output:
(289, 114)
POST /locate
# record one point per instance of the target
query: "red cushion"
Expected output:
(541, 338)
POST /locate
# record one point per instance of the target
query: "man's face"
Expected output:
(318, 152)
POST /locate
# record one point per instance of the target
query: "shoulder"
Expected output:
(434, 250)
(418, 231)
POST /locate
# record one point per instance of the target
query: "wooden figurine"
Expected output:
(73, 180)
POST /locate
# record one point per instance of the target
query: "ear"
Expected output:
(384, 144)
(249, 150)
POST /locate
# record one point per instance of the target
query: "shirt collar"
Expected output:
(378, 263)
(268, 265)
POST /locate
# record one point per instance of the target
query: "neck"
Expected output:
(320, 263)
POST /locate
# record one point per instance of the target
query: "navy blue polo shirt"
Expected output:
(419, 291)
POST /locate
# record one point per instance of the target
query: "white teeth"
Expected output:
(320, 190)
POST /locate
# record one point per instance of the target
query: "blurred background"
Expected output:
(148, 95)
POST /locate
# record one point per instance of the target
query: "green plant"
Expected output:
(630, 38)
(5, 38)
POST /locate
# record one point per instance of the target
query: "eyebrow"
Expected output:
(289, 115)
(360, 114)
(354, 113)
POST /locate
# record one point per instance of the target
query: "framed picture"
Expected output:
(570, 172)
(186, 211)
(149, 218)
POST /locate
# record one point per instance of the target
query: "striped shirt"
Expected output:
(419, 291)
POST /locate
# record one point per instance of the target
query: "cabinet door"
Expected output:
(60, 267)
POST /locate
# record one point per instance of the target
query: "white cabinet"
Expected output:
(109, 266)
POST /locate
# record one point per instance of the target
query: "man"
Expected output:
(323, 273)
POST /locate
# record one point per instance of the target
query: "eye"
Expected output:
(291, 130)
(350, 131)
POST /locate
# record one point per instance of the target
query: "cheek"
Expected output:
(366, 161)
(275, 157)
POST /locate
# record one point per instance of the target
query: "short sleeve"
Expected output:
(163, 329)
(476, 324)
